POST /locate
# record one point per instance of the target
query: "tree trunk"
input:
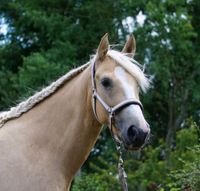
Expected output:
(175, 120)
(171, 132)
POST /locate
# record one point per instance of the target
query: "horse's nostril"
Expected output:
(132, 133)
(136, 136)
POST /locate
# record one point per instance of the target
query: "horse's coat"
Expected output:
(44, 143)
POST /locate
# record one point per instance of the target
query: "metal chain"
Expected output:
(119, 147)
(121, 171)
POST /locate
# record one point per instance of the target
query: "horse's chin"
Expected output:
(128, 147)
(131, 147)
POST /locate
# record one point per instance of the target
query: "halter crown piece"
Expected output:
(111, 112)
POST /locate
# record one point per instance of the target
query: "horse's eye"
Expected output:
(106, 82)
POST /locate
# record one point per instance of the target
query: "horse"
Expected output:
(45, 139)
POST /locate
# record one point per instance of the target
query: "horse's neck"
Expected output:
(64, 124)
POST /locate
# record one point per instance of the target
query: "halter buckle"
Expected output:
(110, 111)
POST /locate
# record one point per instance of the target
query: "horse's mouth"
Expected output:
(133, 147)
(127, 146)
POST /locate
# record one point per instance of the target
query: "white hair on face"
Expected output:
(132, 66)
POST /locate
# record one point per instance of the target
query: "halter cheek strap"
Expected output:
(112, 111)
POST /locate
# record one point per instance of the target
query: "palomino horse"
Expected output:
(45, 139)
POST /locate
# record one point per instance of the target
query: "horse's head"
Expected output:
(118, 79)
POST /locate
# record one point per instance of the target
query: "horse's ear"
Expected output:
(103, 48)
(130, 46)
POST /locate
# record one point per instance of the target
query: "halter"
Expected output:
(112, 112)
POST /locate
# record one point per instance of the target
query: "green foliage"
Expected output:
(96, 182)
(8, 92)
(151, 169)
(174, 63)
(38, 70)
(188, 176)
(46, 39)
(188, 152)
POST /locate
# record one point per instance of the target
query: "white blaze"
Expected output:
(121, 76)
(130, 93)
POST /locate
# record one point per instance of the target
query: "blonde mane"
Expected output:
(26, 105)
(131, 65)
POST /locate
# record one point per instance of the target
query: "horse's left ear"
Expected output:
(130, 46)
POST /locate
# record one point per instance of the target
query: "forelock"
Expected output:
(131, 66)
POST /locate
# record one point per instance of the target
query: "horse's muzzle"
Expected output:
(135, 138)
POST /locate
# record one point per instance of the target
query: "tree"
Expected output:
(172, 57)
(51, 36)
